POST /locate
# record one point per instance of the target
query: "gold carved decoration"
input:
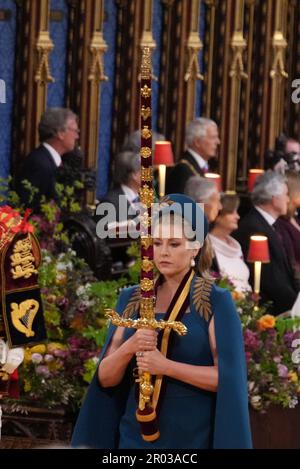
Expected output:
(194, 46)
(145, 220)
(147, 174)
(97, 48)
(23, 315)
(146, 194)
(147, 307)
(147, 42)
(238, 45)
(279, 44)
(146, 91)
(237, 74)
(143, 323)
(22, 259)
(147, 284)
(146, 152)
(146, 133)
(145, 112)
(147, 265)
(277, 73)
(146, 242)
(44, 46)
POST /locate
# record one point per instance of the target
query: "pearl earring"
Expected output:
(193, 262)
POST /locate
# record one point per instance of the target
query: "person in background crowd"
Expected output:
(132, 141)
(202, 141)
(58, 134)
(288, 226)
(205, 192)
(286, 155)
(127, 182)
(279, 283)
(228, 252)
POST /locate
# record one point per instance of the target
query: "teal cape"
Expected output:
(98, 422)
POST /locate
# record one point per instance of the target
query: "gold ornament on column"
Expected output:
(277, 72)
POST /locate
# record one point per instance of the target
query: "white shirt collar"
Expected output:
(269, 218)
(130, 193)
(55, 156)
(201, 161)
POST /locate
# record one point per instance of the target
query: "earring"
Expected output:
(193, 262)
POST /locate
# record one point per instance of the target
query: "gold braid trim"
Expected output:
(187, 163)
(201, 297)
(133, 305)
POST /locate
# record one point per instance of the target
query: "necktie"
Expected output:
(136, 205)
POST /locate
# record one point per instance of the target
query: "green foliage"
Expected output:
(90, 367)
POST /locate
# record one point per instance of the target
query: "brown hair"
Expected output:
(293, 183)
(204, 259)
(230, 203)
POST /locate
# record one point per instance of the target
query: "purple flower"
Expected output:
(62, 302)
(271, 338)
(282, 370)
(250, 339)
(277, 359)
(288, 339)
(43, 371)
(60, 353)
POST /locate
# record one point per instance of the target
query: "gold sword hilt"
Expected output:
(143, 323)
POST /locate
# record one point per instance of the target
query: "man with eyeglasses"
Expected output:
(58, 133)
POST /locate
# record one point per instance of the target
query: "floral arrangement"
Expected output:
(272, 356)
(57, 373)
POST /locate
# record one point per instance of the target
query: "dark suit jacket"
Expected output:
(178, 176)
(121, 210)
(278, 282)
(40, 170)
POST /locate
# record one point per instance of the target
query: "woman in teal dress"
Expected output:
(203, 400)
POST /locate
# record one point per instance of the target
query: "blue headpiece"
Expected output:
(188, 209)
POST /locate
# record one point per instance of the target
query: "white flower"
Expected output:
(255, 401)
(293, 402)
(36, 358)
(80, 290)
(61, 266)
(251, 385)
(49, 358)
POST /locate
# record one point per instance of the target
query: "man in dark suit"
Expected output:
(117, 213)
(279, 282)
(58, 133)
(124, 197)
(202, 140)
